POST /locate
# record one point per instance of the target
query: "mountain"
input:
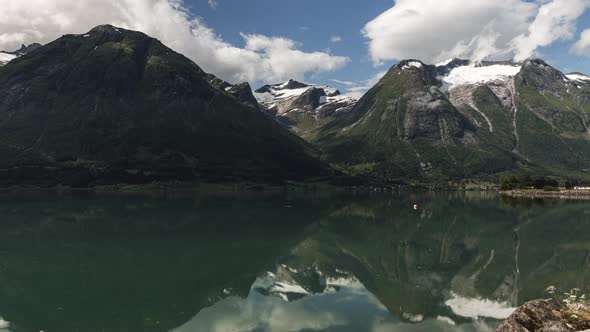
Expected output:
(301, 107)
(24, 49)
(459, 120)
(115, 105)
(242, 92)
(6, 56)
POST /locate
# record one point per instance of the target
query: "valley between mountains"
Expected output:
(117, 106)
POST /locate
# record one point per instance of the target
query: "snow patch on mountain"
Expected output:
(477, 74)
(413, 64)
(444, 63)
(290, 284)
(5, 58)
(578, 77)
(282, 97)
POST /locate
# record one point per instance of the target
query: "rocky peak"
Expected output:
(537, 74)
(297, 105)
(108, 33)
(423, 72)
(334, 94)
(445, 67)
(289, 85)
(6, 56)
(217, 82)
(410, 64)
(105, 28)
(537, 68)
(243, 92)
(292, 84)
(24, 49)
(291, 95)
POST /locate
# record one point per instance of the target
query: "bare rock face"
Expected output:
(539, 75)
(535, 316)
(243, 93)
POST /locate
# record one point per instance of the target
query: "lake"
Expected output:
(286, 261)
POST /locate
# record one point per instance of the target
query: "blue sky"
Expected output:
(269, 41)
(313, 23)
(310, 23)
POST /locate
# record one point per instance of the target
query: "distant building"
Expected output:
(583, 186)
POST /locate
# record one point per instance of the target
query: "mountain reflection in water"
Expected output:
(282, 261)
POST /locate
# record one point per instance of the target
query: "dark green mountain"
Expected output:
(462, 121)
(115, 105)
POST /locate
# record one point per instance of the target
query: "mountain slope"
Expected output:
(553, 118)
(115, 105)
(458, 120)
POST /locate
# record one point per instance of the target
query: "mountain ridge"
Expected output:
(84, 109)
(301, 107)
(462, 121)
(116, 105)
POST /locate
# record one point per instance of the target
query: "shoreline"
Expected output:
(562, 194)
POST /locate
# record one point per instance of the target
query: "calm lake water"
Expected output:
(282, 261)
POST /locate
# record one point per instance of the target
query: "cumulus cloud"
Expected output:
(279, 58)
(213, 4)
(433, 31)
(582, 46)
(268, 59)
(555, 20)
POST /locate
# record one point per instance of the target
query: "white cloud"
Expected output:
(335, 39)
(432, 32)
(358, 89)
(213, 4)
(347, 83)
(268, 59)
(280, 60)
(582, 46)
(555, 20)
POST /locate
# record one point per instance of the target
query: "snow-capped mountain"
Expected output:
(6, 56)
(456, 72)
(464, 119)
(459, 79)
(302, 107)
(292, 284)
(295, 96)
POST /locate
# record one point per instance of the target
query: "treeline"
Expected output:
(528, 182)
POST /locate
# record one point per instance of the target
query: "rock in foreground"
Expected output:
(539, 316)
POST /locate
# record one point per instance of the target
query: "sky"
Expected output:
(347, 44)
